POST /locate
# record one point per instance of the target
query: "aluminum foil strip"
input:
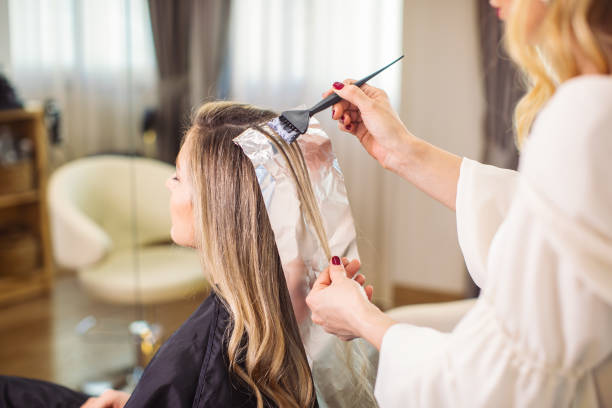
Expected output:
(300, 252)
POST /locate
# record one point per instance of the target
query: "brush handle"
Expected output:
(334, 98)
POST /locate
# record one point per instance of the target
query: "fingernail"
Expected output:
(333, 113)
(349, 126)
(338, 85)
(335, 260)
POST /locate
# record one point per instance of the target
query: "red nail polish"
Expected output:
(333, 113)
(349, 126)
(335, 260)
(338, 85)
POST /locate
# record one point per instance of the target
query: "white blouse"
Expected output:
(539, 244)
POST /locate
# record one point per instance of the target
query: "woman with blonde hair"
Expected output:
(538, 242)
(248, 350)
(242, 347)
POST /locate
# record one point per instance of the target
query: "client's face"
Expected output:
(181, 192)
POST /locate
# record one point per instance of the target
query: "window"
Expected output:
(95, 58)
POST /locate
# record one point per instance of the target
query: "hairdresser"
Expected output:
(538, 242)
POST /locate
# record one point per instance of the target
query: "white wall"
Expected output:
(442, 102)
(5, 54)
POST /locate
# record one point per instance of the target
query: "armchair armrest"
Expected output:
(77, 240)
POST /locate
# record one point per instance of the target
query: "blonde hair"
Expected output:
(238, 251)
(360, 372)
(569, 25)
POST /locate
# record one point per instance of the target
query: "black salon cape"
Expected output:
(189, 370)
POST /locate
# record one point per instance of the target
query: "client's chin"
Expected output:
(180, 239)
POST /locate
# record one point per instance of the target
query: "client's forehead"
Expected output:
(182, 156)
(184, 151)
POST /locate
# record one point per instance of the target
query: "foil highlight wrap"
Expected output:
(300, 251)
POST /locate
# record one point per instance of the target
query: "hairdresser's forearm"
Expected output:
(372, 325)
(431, 169)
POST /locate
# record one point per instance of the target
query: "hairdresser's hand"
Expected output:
(108, 399)
(352, 268)
(366, 112)
(338, 304)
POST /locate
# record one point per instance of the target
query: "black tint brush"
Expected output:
(291, 124)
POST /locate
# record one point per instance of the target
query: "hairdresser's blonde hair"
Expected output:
(569, 25)
(239, 254)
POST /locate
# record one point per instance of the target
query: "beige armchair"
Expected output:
(110, 221)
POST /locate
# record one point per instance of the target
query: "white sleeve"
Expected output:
(484, 194)
(408, 351)
(540, 334)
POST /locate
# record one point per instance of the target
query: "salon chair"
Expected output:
(110, 222)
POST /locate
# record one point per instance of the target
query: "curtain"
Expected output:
(502, 91)
(190, 45)
(208, 51)
(95, 59)
(286, 53)
(171, 23)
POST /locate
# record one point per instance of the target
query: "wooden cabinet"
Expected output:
(26, 263)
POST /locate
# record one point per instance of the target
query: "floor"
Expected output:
(38, 338)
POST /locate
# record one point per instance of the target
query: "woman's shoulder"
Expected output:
(567, 155)
(195, 333)
(575, 126)
(582, 101)
(585, 89)
(173, 374)
(588, 82)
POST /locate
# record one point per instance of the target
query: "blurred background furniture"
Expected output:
(442, 316)
(26, 266)
(110, 220)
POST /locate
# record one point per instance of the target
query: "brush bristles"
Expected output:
(288, 124)
(284, 128)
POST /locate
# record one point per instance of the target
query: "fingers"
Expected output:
(344, 106)
(336, 269)
(354, 99)
(93, 402)
(323, 280)
(360, 279)
(340, 108)
(102, 401)
(89, 403)
(369, 290)
(349, 128)
(373, 92)
(351, 267)
(347, 338)
(354, 95)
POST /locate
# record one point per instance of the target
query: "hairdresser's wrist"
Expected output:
(427, 167)
(404, 154)
(372, 324)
